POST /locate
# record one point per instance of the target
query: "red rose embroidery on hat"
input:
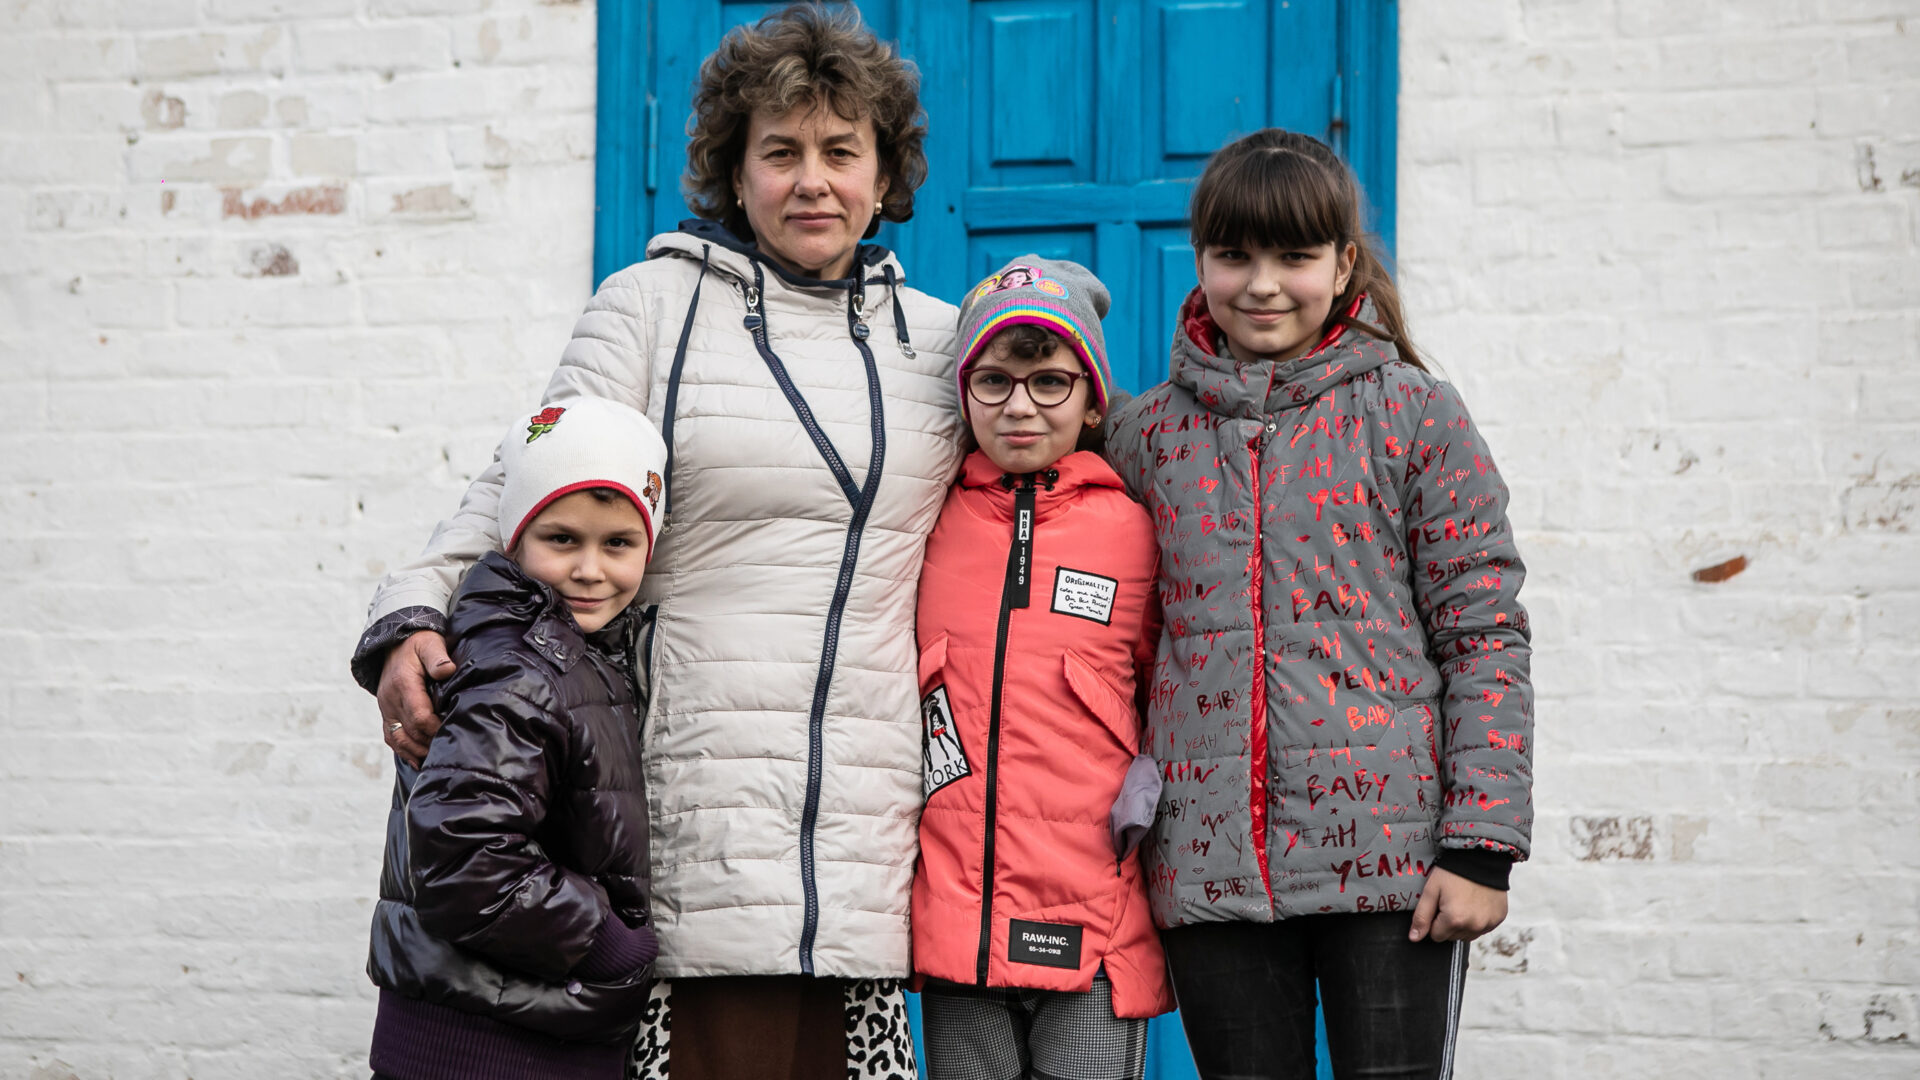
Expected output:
(543, 422)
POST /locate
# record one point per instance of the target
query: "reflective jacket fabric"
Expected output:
(814, 431)
(1031, 723)
(525, 828)
(1338, 518)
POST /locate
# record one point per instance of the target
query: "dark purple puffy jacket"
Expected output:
(513, 900)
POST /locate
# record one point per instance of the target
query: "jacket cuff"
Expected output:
(387, 631)
(1478, 865)
(1132, 815)
(618, 951)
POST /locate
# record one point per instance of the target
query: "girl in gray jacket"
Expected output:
(1341, 705)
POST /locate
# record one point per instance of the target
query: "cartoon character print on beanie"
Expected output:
(1018, 275)
(543, 422)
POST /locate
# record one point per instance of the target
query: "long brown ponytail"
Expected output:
(1282, 189)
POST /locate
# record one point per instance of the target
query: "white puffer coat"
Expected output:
(813, 431)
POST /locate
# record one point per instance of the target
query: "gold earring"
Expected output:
(739, 202)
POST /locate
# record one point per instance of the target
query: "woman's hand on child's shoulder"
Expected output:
(1451, 908)
(406, 707)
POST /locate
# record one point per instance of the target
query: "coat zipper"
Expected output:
(861, 498)
(1257, 701)
(1015, 592)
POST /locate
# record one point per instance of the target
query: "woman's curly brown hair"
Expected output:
(805, 54)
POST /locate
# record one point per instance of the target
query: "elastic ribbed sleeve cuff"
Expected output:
(1478, 865)
(618, 951)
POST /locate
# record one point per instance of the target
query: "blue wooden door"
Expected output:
(1071, 128)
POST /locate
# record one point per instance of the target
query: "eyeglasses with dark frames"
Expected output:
(1047, 387)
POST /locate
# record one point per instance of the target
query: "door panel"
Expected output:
(1036, 95)
(1209, 71)
(990, 251)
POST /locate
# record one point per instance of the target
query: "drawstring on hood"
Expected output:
(899, 314)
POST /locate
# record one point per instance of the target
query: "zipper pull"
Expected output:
(857, 305)
(1020, 560)
(752, 322)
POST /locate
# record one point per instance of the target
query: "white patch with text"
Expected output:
(1084, 595)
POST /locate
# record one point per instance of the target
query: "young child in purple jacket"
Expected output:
(511, 939)
(1342, 704)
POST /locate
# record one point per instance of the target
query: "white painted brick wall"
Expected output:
(1671, 252)
(272, 273)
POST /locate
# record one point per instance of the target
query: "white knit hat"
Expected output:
(574, 445)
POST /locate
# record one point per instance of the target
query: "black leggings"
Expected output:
(1247, 997)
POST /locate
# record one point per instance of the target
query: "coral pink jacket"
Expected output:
(1030, 706)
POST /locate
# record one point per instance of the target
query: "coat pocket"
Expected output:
(933, 657)
(1114, 712)
(1418, 723)
(943, 757)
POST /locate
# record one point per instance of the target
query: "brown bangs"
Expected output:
(1268, 196)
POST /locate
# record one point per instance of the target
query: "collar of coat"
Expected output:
(1077, 471)
(1231, 388)
(497, 592)
(699, 238)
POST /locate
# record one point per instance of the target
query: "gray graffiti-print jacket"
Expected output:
(1342, 692)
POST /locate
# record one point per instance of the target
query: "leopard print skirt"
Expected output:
(879, 1041)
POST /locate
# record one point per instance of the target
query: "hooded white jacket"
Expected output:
(813, 432)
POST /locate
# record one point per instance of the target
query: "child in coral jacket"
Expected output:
(1343, 702)
(1037, 622)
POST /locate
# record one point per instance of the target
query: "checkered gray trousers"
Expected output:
(996, 1033)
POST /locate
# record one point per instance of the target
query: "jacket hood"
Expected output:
(698, 237)
(1229, 387)
(497, 592)
(1062, 480)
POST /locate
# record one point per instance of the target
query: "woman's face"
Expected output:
(810, 181)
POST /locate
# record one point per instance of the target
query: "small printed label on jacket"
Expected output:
(944, 758)
(1045, 943)
(1084, 596)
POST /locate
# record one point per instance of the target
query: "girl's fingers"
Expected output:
(1423, 912)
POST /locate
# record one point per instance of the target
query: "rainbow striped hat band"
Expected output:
(1053, 294)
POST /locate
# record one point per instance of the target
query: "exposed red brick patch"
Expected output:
(1719, 572)
(325, 199)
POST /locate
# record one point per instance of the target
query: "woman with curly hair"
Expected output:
(804, 392)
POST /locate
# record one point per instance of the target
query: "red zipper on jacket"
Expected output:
(1257, 704)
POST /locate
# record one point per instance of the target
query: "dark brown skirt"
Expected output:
(759, 1027)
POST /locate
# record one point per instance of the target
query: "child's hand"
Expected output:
(1456, 909)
